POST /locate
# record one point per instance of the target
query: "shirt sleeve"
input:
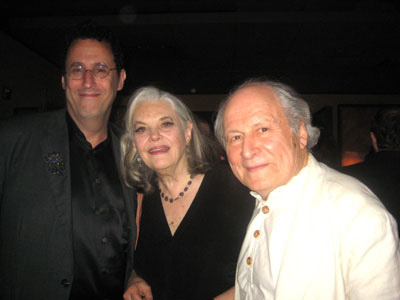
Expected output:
(370, 255)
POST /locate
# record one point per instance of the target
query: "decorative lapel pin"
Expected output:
(55, 163)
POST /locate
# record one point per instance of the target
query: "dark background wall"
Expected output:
(335, 53)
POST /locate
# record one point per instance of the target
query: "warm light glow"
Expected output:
(351, 158)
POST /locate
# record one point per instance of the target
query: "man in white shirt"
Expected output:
(315, 233)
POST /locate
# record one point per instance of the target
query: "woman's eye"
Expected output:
(167, 124)
(263, 129)
(140, 129)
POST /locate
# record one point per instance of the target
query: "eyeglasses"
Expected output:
(99, 71)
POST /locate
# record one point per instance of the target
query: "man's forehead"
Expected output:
(253, 99)
(89, 48)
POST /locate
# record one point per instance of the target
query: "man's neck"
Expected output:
(95, 137)
(94, 130)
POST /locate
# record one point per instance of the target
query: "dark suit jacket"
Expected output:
(36, 258)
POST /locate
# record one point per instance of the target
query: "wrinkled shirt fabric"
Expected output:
(323, 235)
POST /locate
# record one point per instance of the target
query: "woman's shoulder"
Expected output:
(221, 177)
(221, 166)
(227, 193)
(220, 170)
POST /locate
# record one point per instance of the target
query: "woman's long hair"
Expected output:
(200, 153)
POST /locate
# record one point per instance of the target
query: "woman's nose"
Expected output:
(154, 134)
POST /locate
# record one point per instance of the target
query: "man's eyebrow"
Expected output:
(232, 131)
(268, 121)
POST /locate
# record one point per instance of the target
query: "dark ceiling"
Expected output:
(207, 46)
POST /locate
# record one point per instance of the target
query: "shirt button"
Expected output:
(65, 283)
(105, 240)
(99, 211)
(106, 272)
(249, 260)
(265, 209)
(256, 233)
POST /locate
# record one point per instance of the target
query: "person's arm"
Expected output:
(227, 295)
(138, 289)
(371, 257)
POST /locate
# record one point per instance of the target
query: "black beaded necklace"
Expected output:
(180, 195)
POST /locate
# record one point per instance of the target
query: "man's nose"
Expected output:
(249, 147)
(88, 78)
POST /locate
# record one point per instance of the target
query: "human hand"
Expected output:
(138, 289)
(227, 295)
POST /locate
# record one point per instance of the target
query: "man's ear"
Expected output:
(122, 77)
(303, 136)
(373, 141)
(63, 82)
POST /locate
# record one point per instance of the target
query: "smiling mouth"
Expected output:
(158, 150)
(256, 168)
(89, 95)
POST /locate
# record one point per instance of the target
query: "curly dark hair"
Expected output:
(386, 128)
(90, 30)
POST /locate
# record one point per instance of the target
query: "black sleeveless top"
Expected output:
(199, 261)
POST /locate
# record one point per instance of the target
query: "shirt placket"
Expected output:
(257, 241)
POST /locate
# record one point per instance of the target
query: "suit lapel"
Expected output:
(55, 150)
(55, 142)
(130, 200)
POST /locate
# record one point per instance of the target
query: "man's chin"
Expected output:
(259, 188)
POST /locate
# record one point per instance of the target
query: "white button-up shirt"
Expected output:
(262, 251)
(299, 242)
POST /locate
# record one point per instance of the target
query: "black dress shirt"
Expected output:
(99, 219)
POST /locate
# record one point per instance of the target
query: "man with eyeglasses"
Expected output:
(67, 222)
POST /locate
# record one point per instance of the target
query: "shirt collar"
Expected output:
(77, 134)
(294, 182)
